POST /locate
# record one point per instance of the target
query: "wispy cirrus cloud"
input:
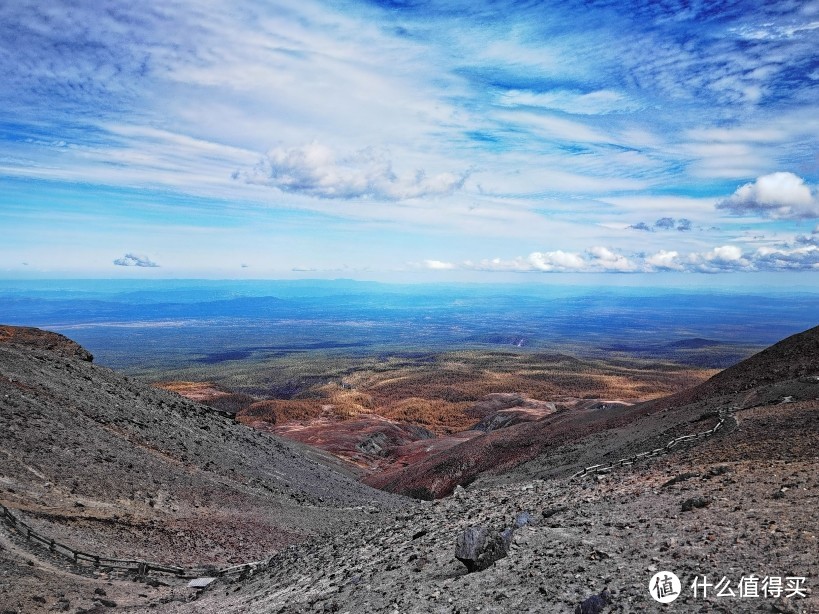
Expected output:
(495, 122)
(599, 102)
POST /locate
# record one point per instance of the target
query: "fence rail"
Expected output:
(142, 567)
(723, 414)
(137, 566)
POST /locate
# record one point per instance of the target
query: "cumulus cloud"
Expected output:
(801, 258)
(720, 259)
(607, 260)
(598, 259)
(778, 195)
(683, 224)
(320, 171)
(664, 223)
(556, 261)
(813, 239)
(595, 259)
(135, 260)
(664, 261)
(641, 226)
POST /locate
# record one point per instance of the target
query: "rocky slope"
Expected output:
(741, 503)
(787, 361)
(34, 338)
(109, 465)
(783, 370)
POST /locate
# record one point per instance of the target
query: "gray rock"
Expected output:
(522, 519)
(594, 604)
(695, 502)
(549, 512)
(680, 478)
(479, 547)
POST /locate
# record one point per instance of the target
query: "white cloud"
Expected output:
(137, 260)
(320, 171)
(598, 259)
(553, 127)
(556, 261)
(805, 257)
(438, 265)
(719, 260)
(605, 259)
(595, 259)
(813, 239)
(778, 195)
(664, 261)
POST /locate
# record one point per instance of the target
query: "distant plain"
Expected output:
(420, 354)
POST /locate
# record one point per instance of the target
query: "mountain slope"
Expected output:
(768, 376)
(755, 484)
(741, 504)
(105, 462)
(792, 358)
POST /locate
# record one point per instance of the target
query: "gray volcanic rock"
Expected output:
(613, 530)
(479, 547)
(45, 340)
(594, 604)
(112, 466)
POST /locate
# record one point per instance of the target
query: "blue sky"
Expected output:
(410, 140)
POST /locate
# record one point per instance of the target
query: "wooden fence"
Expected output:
(724, 414)
(141, 567)
(137, 566)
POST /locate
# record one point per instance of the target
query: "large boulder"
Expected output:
(479, 547)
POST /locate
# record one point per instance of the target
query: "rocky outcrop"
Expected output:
(35, 338)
